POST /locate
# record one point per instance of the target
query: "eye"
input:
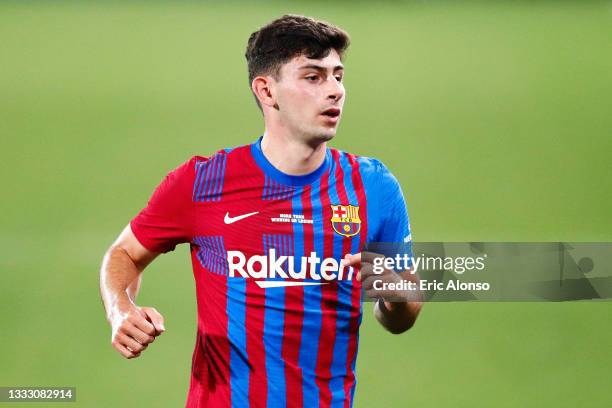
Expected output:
(312, 78)
(339, 78)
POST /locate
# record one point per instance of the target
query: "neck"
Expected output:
(291, 156)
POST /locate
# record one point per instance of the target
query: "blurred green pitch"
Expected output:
(494, 116)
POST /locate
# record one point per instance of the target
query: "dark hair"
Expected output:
(287, 37)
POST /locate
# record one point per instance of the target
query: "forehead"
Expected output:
(329, 62)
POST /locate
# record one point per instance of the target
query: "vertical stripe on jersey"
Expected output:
(255, 347)
(329, 295)
(236, 332)
(210, 174)
(356, 314)
(213, 182)
(294, 304)
(200, 169)
(342, 246)
(311, 327)
(217, 192)
(274, 321)
(206, 182)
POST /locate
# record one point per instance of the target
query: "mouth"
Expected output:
(332, 114)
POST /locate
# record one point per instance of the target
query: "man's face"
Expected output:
(310, 96)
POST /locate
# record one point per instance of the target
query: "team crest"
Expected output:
(345, 220)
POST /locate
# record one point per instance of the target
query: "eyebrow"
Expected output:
(321, 68)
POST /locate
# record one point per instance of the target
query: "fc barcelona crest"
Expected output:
(345, 220)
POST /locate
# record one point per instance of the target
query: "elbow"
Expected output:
(396, 331)
(399, 329)
(400, 320)
(409, 319)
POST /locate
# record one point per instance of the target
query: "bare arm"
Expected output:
(133, 327)
(397, 315)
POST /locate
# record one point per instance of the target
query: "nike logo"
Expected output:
(231, 220)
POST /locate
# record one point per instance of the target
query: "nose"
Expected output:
(335, 90)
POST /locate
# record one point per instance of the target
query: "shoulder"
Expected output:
(371, 169)
(187, 171)
(219, 155)
(197, 163)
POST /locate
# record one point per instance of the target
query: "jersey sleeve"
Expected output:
(168, 218)
(395, 223)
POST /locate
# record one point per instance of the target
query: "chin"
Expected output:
(326, 134)
(319, 138)
(321, 135)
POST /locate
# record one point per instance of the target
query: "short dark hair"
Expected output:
(290, 36)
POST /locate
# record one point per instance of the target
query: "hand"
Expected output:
(388, 285)
(134, 328)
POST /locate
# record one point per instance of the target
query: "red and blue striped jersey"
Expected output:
(278, 314)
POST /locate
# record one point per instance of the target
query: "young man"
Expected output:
(269, 224)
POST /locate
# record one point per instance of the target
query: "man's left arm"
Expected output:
(398, 316)
(396, 295)
(398, 304)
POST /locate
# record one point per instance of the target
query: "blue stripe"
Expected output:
(212, 249)
(274, 321)
(217, 195)
(236, 332)
(218, 245)
(222, 180)
(367, 171)
(312, 298)
(196, 184)
(206, 181)
(202, 170)
(202, 182)
(210, 179)
(213, 179)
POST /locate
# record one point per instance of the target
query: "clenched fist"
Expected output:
(134, 328)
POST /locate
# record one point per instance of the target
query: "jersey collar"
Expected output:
(284, 178)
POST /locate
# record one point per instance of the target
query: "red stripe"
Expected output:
(349, 380)
(294, 318)
(329, 302)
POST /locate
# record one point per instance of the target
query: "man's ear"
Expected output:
(262, 87)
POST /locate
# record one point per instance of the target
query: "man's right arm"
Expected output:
(133, 327)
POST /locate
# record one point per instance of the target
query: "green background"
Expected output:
(494, 116)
